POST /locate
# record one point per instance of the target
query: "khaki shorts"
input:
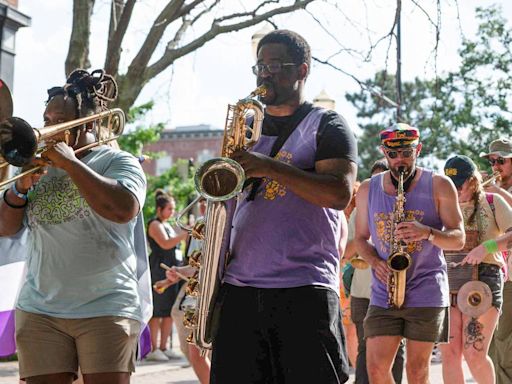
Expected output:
(420, 324)
(48, 345)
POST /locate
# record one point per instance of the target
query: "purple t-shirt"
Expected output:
(280, 240)
(427, 279)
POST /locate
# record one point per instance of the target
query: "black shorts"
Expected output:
(286, 335)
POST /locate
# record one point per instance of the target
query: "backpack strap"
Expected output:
(490, 200)
(505, 254)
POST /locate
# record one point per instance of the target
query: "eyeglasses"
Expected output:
(271, 68)
(406, 153)
(499, 160)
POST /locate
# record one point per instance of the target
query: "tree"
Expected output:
(457, 113)
(208, 18)
(134, 141)
(180, 185)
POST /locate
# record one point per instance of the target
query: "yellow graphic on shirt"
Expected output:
(383, 229)
(271, 188)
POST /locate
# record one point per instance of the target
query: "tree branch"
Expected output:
(179, 34)
(118, 31)
(78, 52)
(170, 13)
(171, 55)
(363, 86)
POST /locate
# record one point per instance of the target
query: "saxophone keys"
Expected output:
(192, 287)
(190, 319)
(194, 259)
(198, 230)
(190, 338)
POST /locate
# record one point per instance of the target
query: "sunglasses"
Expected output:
(499, 160)
(406, 153)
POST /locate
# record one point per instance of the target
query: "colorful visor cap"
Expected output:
(400, 135)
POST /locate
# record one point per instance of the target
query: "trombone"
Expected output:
(496, 176)
(20, 143)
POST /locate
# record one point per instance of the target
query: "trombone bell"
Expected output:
(18, 142)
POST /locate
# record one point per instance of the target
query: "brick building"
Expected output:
(196, 142)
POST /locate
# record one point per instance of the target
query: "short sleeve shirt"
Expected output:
(80, 264)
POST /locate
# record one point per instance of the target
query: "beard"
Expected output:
(407, 171)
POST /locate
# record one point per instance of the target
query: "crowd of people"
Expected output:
(281, 313)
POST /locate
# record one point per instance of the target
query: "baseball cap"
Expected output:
(500, 147)
(459, 168)
(400, 135)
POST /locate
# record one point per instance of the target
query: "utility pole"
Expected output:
(398, 62)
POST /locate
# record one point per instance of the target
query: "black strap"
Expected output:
(297, 117)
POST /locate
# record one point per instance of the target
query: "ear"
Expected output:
(303, 70)
(383, 151)
(418, 149)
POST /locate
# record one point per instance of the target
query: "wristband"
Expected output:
(17, 193)
(12, 205)
(491, 246)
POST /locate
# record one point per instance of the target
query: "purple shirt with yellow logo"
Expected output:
(427, 279)
(280, 240)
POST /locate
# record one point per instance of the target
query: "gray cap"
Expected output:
(500, 147)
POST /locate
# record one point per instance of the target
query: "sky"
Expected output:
(197, 89)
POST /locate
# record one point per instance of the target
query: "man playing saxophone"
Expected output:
(419, 222)
(279, 318)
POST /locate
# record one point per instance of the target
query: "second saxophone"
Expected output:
(399, 260)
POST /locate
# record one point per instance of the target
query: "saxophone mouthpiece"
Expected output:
(401, 169)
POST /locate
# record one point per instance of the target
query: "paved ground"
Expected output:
(172, 372)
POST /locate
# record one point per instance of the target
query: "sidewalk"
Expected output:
(172, 372)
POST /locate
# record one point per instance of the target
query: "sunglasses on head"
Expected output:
(405, 153)
(499, 160)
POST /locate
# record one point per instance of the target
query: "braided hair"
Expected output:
(91, 91)
(475, 180)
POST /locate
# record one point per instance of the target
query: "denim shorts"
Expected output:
(492, 275)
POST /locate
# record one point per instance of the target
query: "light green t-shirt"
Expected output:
(80, 264)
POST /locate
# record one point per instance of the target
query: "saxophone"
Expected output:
(218, 180)
(399, 260)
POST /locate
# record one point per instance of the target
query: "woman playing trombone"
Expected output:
(79, 305)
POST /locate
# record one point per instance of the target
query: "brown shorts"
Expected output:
(420, 324)
(48, 345)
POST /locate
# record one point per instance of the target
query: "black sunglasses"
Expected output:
(499, 160)
(406, 153)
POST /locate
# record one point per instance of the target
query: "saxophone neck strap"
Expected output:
(284, 134)
(407, 183)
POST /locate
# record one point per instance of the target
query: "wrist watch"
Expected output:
(431, 235)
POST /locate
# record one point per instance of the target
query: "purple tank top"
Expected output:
(427, 279)
(280, 240)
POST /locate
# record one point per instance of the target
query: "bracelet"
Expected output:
(17, 193)
(491, 246)
(12, 205)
